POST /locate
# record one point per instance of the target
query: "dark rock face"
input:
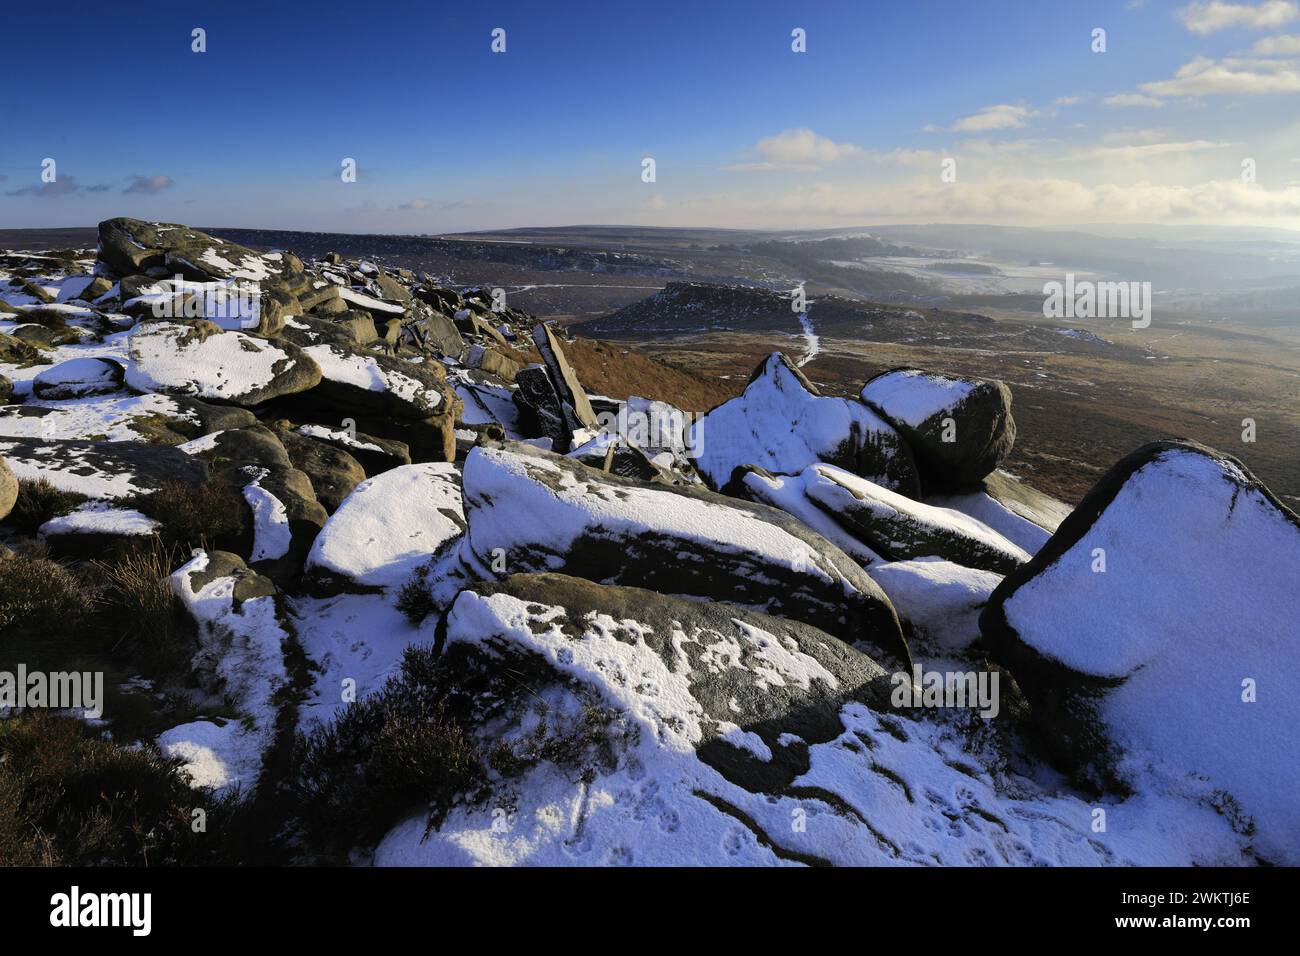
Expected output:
(621, 531)
(1141, 625)
(102, 469)
(693, 640)
(959, 428)
(783, 424)
(574, 404)
(540, 412)
(375, 455)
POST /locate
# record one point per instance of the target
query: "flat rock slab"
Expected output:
(101, 469)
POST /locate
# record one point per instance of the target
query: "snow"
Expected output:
(940, 598)
(337, 435)
(222, 366)
(369, 303)
(100, 518)
(1198, 595)
(109, 418)
(787, 493)
(272, 535)
(229, 303)
(84, 375)
(501, 485)
(241, 658)
(912, 396)
(72, 470)
(389, 525)
(778, 425)
(987, 510)
(811, 340)
(898, 791)
(366, 372)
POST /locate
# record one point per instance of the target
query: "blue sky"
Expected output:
(744, 132)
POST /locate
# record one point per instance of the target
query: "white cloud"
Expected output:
(797, 149)
(1288, 44)
(1001, 116)
(1204, 76)
(1046, 200)
(1149, 150)
(1132, 99)
(1215, 15)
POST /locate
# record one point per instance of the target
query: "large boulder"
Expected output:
(959, 428)
(540, 412)
(529, 510)
(132, 246)
(1155, 637)
(78, 378)
(388, 526)
(285, 513)
(783, 424)
(101, 469)
(199, 359)
(899, 528)
(8, 489)
(240, 671)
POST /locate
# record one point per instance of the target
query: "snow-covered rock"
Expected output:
(942, 601)
(1021, 514)
(959, 428)
(95, 530)
(529, 510)
(101, 469)
(727, 738)
(198, 358)
(1155, 635)
(78, 378)
(781, 423)
(386, 528)
(899, 528)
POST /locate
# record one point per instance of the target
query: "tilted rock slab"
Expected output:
(899, 528)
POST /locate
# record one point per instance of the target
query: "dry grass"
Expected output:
(69, 797)
(39, 501)
(202, 516)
